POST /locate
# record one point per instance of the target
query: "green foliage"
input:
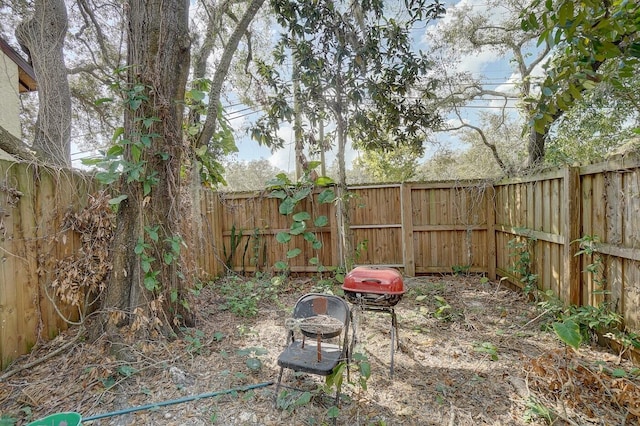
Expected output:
(598, 125)
(363, 366)
(522, 250)
(396, 164)
(128, 160)
(360, 73)
(194, 339)
(289, 401)
(222, 142)
(443, 310)
(291, 196)
(536, 410)
(243, 296)
(460, 270)
(585, 35)
(569, 332)
(588, 244)
(253, 354)
(487, 348)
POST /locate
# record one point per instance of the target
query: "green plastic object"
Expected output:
(59, 419)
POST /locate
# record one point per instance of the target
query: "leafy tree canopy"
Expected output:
(584, 35)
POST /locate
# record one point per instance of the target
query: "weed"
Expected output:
(487, 348)
(242, 297)
(287, 400)
(253, 353)
(443, 310)
(194, 339)
(522, 250)
(536, 411)
(460, 270)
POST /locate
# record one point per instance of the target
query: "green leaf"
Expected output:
(301, 216)
(283, 237)
(333, 412)
(569, 332)
(293, 253)
(115, 150)
(327, 196)
(287, 206)
(152, 232)
(314, 261)
(303, 399)
(317, 245)
(298, 228)
(117, 133)
(278, 193)
(309, 236)
(139, 248)
(197, 95)
(321, 221)
(324, 181)
(254, 364)
(117, 200)
(150, 282)
(301, 194)
(145, 264)
(280, 265)
(126, 370)
(619, 373)
(101, 101)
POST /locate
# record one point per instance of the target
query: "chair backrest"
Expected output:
(313, 304)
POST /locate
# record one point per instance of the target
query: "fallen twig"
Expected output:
(42, 359)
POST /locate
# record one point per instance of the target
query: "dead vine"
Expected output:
(82, 276)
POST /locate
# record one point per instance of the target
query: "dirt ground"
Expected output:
(472, 353)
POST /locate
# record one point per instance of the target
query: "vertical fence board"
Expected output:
(406, 203)
(9, 308)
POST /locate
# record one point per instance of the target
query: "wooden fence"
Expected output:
(33, 202)
(442, 227)
(420, 228)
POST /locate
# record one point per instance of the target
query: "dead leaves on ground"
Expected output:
(583, 390)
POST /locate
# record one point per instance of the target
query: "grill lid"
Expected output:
(372, 279)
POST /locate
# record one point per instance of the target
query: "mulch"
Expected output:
(472, 353)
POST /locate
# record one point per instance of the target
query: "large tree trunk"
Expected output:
(43, 39)
(147, 284)
(535, 148)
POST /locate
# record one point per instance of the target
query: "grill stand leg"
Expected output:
(275, 398)
(394, 338)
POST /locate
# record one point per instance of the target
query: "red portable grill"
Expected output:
(375, 288)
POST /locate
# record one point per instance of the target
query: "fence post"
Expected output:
(406, 206)
(571, 282)
(490, 209)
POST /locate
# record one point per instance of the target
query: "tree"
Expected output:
(42, 37)
(396, 165)
(248, 176)
(585, 36)
(596, 125)
(147, 283)
(356, 66)
(494, 28)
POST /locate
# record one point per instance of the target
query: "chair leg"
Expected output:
(275, 398)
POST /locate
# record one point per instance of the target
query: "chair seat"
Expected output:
(297, 358)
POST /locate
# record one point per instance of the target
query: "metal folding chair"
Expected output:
(317, 337)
